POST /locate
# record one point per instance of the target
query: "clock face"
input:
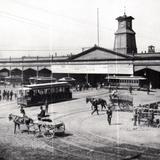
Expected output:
(122, 24)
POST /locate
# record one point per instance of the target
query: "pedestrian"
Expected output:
(95, 107)
(11, 95)
(148, 90)
(22, 111)
(109, 115)
(139, 116)
(109, 88)
(8, 95)
(130, 89)
(150, 117)
(46, 106)
(4, 94)
(135, 116)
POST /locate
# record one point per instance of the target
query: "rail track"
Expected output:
(83, 145)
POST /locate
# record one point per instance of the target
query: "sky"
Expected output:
(49, 27)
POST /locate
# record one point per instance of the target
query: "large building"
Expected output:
(94, 64)
(98, 62)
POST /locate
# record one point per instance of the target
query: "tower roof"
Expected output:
(124, 17)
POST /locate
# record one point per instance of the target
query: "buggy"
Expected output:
(46, 127)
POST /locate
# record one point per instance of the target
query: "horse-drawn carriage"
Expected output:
(41, 127)
(124, 102)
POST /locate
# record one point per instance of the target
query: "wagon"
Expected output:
(45, 126)
(124, 102)
(145, 114)
(48, 129)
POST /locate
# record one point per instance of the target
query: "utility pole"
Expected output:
(98, 26)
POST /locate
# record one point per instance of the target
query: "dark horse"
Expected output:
(96, 101)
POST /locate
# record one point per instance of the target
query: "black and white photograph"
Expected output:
(79, 80)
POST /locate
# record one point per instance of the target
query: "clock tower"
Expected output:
(125, 41)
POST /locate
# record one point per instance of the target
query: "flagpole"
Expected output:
(98, 26)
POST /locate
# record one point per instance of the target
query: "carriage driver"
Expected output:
(22, 111)
(114, 93)
(41, 114)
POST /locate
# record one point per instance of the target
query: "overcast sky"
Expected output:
(65, 26)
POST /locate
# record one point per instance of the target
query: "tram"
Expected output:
(38, 94)
(124, 82)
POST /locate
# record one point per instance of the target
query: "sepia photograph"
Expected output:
(79, 80)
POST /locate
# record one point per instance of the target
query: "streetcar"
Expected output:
(125, 82)
(39, 94)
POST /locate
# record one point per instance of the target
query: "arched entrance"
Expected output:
(27, 74)
(152, 76)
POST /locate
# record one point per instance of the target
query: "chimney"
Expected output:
(151, 49)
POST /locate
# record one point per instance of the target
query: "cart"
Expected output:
(123, 102)
(149, 114)
(48, 129)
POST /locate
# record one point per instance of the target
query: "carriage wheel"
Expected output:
(123, 106)
(49, 134)
(130, 106)
(60, 130)
(113, 107)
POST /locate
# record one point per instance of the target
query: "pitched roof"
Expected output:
(98, 53)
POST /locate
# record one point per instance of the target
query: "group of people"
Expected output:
(149, 116)
(82, 86)
(7, 95)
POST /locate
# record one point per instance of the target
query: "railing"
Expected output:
(33, 59)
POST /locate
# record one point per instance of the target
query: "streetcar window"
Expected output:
(60, 89)
(53, 90)
(57, 89)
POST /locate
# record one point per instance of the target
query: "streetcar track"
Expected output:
(110, 139)
(84, 137)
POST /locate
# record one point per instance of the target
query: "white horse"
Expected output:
(20, 121)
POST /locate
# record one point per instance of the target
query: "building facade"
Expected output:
(94, 64)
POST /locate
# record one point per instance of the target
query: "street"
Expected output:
(87, 136)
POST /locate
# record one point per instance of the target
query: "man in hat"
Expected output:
(109, 114)
(95, 106)
(41, 114)
(22, 111)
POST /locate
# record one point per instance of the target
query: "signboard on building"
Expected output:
(93, 68)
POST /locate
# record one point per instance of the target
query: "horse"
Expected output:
(19, 121)
(97, 101)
